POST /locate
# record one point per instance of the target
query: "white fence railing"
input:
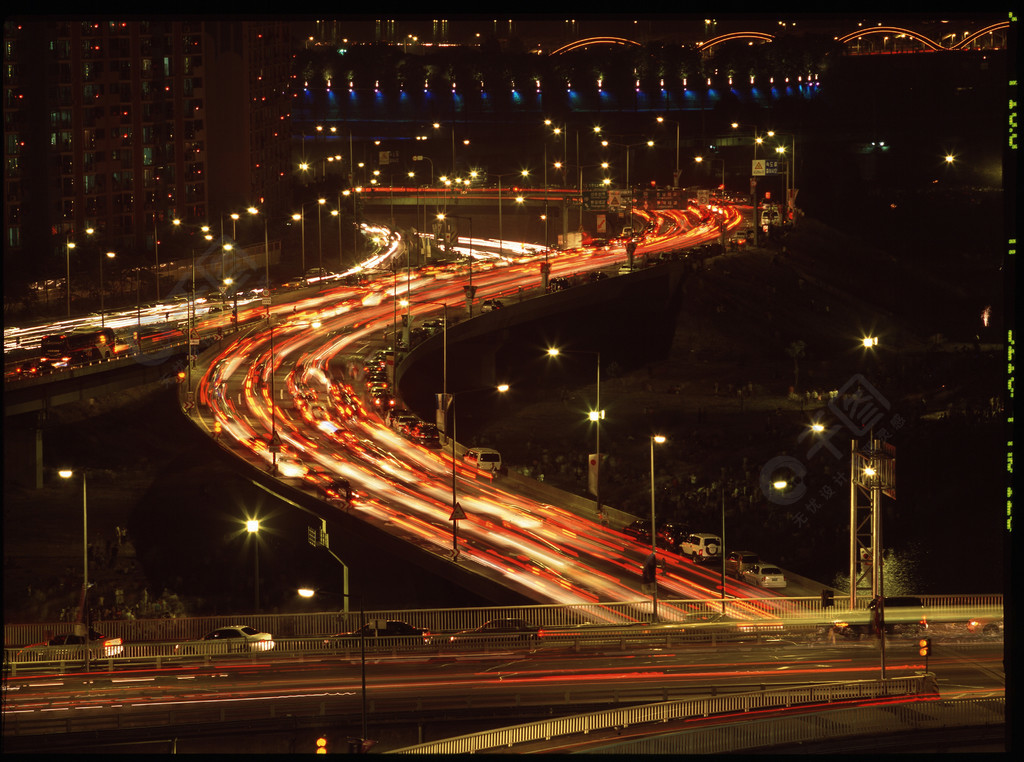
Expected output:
(665, 711)
(623, 613)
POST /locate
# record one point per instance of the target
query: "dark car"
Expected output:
(498, 631)
(672, 535)
(491, 305)
(639, 530)
(425, 434)
(558, 284)
(395, 631)
(903, 615)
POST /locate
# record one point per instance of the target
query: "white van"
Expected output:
(484, 458)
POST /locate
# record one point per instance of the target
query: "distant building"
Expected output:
(122, 126)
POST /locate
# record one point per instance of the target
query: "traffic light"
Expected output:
(827, 599)
(321, 745)
(924, 646)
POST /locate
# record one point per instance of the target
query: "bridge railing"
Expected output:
(622, 613)
(503, 738)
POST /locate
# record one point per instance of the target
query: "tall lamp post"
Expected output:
(596, 415)
(758, 140)
(320, 236)
(675, 176)
(457, 512)
(67, 278)
(306, 592)
(470, 290)
(108, 255)
(252, 526)
(656, 439)
(67, 473)
(300, 217)
(629, 189)
(501, 236)
(790, 159)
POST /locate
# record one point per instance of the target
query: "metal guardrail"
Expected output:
(65, 659)
(622, 613)
(842, 725)
(660, 712)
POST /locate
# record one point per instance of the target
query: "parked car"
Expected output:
(395, 631)
(231, 639)
(498, 631)
(673, 535)
(491, 305)
(69, 647)
(640, 530)
(701, 546)
(738, 561)
(764, 575)
(483, 458)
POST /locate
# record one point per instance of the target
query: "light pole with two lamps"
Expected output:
(470, 289)
(457, 511)
(629, 189)
(596, 416)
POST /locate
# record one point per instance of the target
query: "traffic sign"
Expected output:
(762, 167)
(458, 513)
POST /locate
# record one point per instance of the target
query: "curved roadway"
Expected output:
(304, 358)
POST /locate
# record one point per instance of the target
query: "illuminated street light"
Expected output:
(252, 526)
(67, 473)
(108, 255)
(470, 290)
(675, 176)
(457, 512)
(656, 439)
(596, 416)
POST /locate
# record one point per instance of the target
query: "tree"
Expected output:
(796, 351)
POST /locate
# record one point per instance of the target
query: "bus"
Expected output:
(59, 350)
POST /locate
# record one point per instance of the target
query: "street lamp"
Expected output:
(108, 255)
(629, 190)
(470, 290)
(675, 177)
(67, 473)
(781, 149)
(758, 140)
(656, 439)
(252, 526)
(501, 237)
(457, 512)
(67, 278)
(596, 415)
(320, 236)
(300, 218)
(306, 592)
(700, 159)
